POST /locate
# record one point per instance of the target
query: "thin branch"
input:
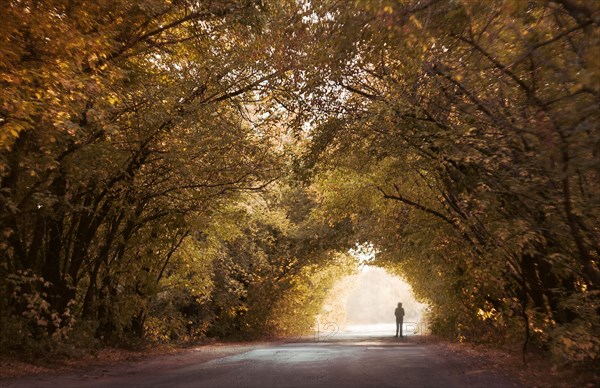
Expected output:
(547, 42)
(416, 205)
(172, 250)
(371, 97)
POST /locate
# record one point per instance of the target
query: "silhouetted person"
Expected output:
(399, 313)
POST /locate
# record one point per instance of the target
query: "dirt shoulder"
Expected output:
(111, 359)
(538, 371)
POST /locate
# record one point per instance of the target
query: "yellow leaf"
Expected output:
(112, 99)
(414, 19)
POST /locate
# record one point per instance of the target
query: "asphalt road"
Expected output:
(345, 359)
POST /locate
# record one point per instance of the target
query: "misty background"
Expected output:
(369, 298)
(375, 297)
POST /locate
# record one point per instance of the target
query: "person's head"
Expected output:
(399, 304)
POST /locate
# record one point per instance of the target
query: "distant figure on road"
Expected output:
(399, 313)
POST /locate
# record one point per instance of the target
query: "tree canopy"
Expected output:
(173, 169)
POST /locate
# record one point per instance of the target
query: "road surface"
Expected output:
(340, 359)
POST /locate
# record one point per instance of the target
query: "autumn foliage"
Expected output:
(174, 169)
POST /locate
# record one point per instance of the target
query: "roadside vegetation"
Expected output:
(175, 170)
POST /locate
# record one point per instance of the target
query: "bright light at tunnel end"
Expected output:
(364, 253)
(363, 305)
